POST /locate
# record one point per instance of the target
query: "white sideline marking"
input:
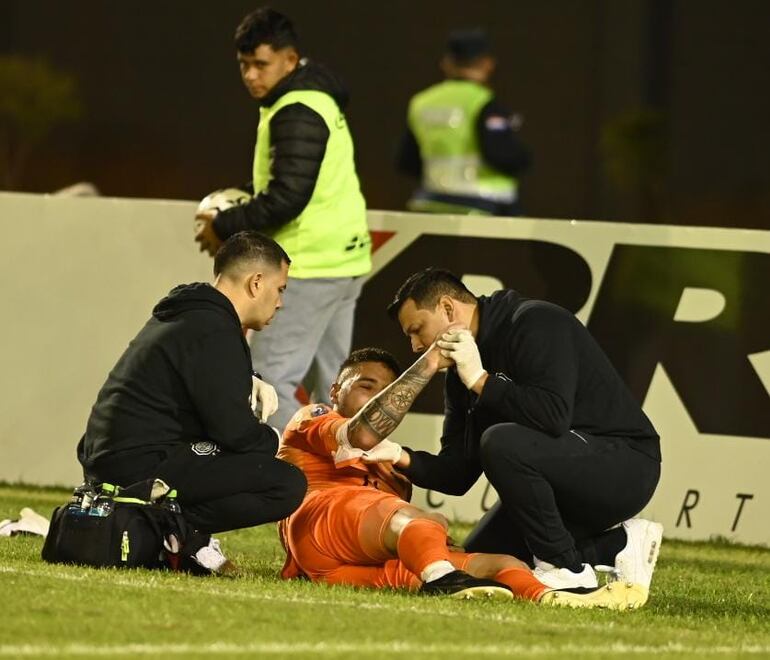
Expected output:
(411, 648)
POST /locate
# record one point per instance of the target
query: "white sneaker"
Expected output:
(211, 558)
(563, 578)
(635, 563)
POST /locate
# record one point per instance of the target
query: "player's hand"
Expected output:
(264, 400)
(460, 346)
(434, 353)
(439, 517)
(205, 234)
(434, 358)
(383, 451)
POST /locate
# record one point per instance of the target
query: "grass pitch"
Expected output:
(708, 599)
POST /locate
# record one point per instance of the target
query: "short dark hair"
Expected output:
(466, 46)
(371, 355)
(265, 26)
(248, 246)
(425, 287)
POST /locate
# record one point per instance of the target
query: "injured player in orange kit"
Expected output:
(356, 525)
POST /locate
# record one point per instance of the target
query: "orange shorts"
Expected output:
(327, 529)
(335, 537)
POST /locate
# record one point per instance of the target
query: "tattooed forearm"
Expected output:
(379, 421)
(383, 413)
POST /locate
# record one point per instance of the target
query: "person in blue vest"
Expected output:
(461, 142)
(306, 196)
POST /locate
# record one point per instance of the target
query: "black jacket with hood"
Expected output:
(546, 372)
(298, 138)
(185, 378)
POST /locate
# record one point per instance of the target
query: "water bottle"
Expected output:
(171, 502)
(87, 495)
(74, 506)
(104, 504)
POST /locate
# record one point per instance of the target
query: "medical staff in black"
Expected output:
(176, 406)
(535, 404)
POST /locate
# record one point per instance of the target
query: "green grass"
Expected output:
(709, 599)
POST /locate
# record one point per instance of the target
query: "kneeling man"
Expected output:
(176, 405)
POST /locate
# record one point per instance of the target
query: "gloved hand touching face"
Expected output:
(459, 345)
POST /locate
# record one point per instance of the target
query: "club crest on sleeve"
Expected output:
(320, 409)
(205, 448)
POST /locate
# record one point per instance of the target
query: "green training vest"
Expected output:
(330, 238)
(443, 121)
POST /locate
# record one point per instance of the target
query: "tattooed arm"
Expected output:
(384, 412)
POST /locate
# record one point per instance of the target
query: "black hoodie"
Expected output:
(186, 377)
(298, 137)
(546, 372)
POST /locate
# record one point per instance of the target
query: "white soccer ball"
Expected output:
(223, 199)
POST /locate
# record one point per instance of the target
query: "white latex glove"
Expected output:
(264, 400)
(460, 346)
(383, 451)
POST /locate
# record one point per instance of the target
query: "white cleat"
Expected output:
(615, 596)
(635, 563)
(563, 578)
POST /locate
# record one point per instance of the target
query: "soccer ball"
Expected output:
(218, 201)
(223, 199)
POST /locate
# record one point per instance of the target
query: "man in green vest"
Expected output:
(306, 196)
(460, 141)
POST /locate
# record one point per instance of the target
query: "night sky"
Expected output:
(165, 114)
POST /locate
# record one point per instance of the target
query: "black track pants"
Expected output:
(217, 492)
(559, 496)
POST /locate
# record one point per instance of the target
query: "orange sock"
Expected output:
(524, 585)
(421, 543)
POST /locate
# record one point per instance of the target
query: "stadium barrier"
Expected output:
(683, 312)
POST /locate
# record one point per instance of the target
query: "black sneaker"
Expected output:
(458, 584)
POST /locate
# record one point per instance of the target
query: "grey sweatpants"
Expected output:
(306, 342)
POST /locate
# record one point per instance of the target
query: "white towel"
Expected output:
(29, 522)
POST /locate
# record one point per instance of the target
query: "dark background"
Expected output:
(165, 114)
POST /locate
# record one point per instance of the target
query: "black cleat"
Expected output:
(458, 584)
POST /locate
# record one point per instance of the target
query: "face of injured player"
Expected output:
(357, 384)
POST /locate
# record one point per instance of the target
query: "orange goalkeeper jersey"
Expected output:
(310, 442)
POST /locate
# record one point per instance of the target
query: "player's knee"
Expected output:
(408, 514)
(398, 522)
(440, 518)
(484, 565)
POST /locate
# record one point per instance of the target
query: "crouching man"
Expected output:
(176, 406)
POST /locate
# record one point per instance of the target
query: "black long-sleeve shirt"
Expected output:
(185, 378)
(546, 372)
